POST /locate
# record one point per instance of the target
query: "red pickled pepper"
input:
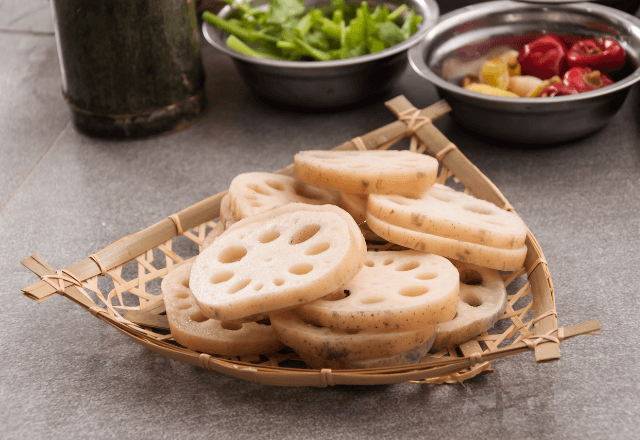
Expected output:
(603, 54)
(585, 79)
(544, 57)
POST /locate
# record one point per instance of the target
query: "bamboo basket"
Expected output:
(120, 284)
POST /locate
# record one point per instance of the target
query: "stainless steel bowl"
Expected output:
(461, 39)
(630, 6)
(326, 84)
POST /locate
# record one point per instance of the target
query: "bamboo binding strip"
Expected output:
(146, 324)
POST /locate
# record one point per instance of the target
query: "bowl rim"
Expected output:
(419, 65)
(209, 32)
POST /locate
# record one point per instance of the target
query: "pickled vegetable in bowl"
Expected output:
(462, 40)
(549, 67)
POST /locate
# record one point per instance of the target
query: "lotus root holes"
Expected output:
(268, 236)
(198, 317)
(182, 295)
(372, 300)
(258, 286)
(471, 277)
(278, 282)
(232, 254)
(472, 300)
(388, 261)
(408, 266)
(317, 248)
(441, 197)
(231, 325)
(259, 189)
(414, 291)
(238, 286)
(301, 269)
(495, 222)
(369, 263)
(304, 234)
(337, 296)
(185, 283)
(183, 306)
(426, 276)
(482, 210)
(275, 185)
(221, 277)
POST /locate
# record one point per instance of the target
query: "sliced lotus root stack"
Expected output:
(494, 258)
(367, 172)
(394, 290)
(276, 261)
(483, 299)
(295, 207)
(195, 331)
(345, 346)
(412, 356)
(253, 193)
(452, 224)
(452, 214)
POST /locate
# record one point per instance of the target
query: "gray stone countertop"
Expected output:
(64, 196)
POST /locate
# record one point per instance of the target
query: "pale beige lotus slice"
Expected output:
(345, 344)
(394, 290)
(409, 357)
(451, 214)
(258, 266)
(195, 331)
(483, 299)
(367, 172)
(494, 258)
(295, 207)
(253, 193)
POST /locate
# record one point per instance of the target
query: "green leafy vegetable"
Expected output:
(287, 30)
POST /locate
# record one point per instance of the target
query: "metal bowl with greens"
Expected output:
(319, 53)
(287, 30)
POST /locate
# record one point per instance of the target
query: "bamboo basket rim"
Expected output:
(540, 334)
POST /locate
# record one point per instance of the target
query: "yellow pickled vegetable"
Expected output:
(490, 90)
(495, 73)
(522, 85)
(510, 57)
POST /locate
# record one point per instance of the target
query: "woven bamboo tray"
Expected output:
(120, 284)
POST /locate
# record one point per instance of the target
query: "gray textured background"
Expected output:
(65, 374)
